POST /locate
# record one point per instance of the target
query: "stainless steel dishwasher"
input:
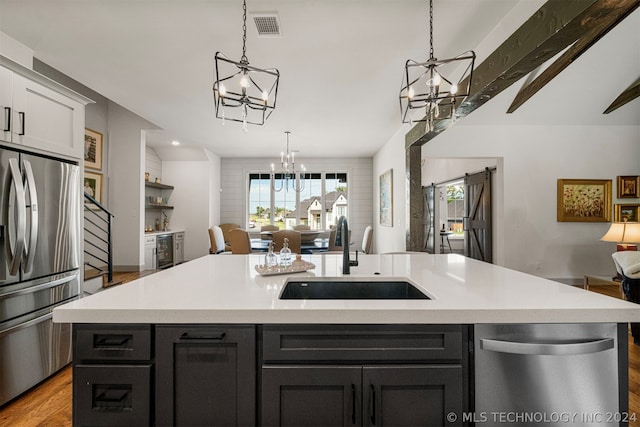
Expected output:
(551, 374)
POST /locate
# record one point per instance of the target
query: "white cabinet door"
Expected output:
(6, 103)
(45, 119)
(150, 252)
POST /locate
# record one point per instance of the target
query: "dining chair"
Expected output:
(226, 228)
(332, 241)
(268, 227)
(302, 227)
(367, 240)
(217, 240)
(240, 241)
(294, 240)
(213, 248)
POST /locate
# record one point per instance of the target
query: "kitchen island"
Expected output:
(211, 338)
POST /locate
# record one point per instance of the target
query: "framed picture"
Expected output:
(93, 185)
(626, 213)
(584, 200)
(92, 149)
(628, 187)
(386, 198)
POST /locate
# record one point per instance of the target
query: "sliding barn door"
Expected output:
(477, 217)
(428, 218)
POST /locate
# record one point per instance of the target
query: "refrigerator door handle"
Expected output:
(554, 349)
(36, 288)
(15, 251)
(30, 249)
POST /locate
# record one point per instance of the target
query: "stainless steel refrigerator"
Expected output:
(40, 259)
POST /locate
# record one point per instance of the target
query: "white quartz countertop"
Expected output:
(227, 289)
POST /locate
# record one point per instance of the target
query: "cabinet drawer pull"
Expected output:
(23, 122)
(116, 342)
(112, 396)
(372, 405)
(212, 336)
(7, 119)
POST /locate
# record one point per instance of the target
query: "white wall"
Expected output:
(126, 185)
(190, 198)
(391, 156)
(215, 188)
(234, 181)
(533, 159)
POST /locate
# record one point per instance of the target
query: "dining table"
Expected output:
(317, 245)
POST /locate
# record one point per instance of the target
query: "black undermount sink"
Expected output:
(350, 289)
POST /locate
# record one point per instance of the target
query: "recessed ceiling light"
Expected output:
(175, 143)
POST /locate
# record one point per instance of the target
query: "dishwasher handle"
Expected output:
(549, 349)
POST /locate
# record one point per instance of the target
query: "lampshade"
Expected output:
(623, 233)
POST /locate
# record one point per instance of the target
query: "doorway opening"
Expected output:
(451, 214)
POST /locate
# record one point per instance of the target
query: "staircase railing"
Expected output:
(98, 247)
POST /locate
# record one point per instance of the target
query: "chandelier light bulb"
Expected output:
(454, 89)
(436, 80)
(244, 81)
(411, 92)
(222, 90)
(265, 95)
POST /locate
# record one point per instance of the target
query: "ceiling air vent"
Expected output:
(267, 24)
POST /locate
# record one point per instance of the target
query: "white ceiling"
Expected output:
(340, 62)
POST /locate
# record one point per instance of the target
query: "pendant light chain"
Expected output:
(244, 33)
(431, 30)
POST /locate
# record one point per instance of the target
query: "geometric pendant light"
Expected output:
(241, 92)
(433, 88)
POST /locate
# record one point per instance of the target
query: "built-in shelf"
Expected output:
(148, 206)
(158, 185)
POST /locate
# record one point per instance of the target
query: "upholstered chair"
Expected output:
(240, 241)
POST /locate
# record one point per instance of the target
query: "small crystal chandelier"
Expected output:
(288, 173)
(243, 93)
(429, 85)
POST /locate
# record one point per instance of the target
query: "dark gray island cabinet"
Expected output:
(270, 375)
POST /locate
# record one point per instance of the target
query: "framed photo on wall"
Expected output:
(92, 149)
(93, 185)
(628, 187)
(584, 200)
(626, 213)
(386, 198)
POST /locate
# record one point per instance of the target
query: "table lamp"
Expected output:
(625, 234)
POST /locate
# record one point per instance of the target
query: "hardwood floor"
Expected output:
(49, 404)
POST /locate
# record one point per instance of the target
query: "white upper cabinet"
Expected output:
(40, 113)
(45, 119)
(6, 87)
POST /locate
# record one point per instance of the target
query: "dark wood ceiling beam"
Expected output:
(556, 25)
(629, 94)
(602, 24)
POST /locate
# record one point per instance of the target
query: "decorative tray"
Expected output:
(298, 266)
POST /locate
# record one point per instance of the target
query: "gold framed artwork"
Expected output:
(628, 187)
(626, 213)
(93, 185)
(92, 149)
(386, 198)
(584, 200)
